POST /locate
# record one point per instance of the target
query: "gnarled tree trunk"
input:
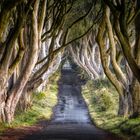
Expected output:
(16, 91)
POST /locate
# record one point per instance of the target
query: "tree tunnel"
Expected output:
(35, 34)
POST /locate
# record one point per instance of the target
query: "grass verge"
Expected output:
(102, 100)
(42, 108)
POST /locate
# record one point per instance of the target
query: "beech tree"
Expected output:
(23, 68)
(115, 63)
(125, 14)
(123, 81)
(9, 36)
(35, 33)
(86, 55)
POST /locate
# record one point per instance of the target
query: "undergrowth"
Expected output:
(102, 100)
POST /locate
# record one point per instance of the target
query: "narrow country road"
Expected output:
(71, 120)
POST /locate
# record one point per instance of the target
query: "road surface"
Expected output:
(71, 120)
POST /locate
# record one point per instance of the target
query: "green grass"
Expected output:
(102, 100)
(41, 109)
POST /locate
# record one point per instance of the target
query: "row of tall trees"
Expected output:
(120, 25)
(114, 46)
(86, 55)
(33, 34)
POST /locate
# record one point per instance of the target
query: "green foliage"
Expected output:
(131, 127)
(102, 95)
(39, 95)
(102, 100)
(79, 9)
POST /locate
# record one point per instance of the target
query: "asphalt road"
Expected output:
(71, 120)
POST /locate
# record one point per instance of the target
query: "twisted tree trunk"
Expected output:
(125, 99)
(136, 83)
(16, 91)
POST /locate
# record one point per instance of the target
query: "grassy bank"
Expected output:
(42, 108)
(102, 101)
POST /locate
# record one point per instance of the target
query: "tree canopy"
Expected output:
(102, 37)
